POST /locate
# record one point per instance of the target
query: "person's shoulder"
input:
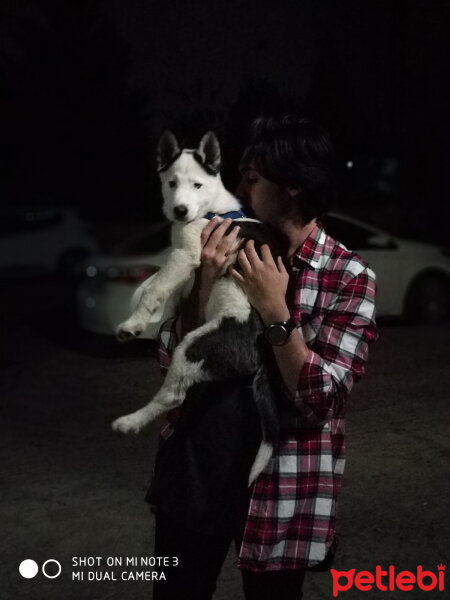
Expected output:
(338, 259)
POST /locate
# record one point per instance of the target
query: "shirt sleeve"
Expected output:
(337, 357)
(168, 341)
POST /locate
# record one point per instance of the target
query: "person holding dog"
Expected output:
(318, 310)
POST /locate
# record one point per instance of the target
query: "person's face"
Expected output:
(268, 201)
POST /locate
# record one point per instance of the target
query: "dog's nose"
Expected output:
(180, 211)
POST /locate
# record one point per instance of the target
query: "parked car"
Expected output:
(104, 296)
(413, 278)
(43, 240)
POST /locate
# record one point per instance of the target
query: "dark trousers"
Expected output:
(200, 559)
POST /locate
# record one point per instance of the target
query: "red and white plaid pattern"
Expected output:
(291, 520)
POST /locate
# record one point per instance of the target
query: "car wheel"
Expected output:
(428, 299)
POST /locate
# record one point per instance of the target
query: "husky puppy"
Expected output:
(230, 344)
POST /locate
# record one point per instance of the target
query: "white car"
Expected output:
(42, 240)
(413, 278)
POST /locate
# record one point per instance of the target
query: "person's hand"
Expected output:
(216, 247)
(264, 281)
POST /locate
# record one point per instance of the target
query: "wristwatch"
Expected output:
(278, 334)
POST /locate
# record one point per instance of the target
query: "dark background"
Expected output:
(86, 89)
(88, 86)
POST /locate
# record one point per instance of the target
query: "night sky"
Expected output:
(88, 87)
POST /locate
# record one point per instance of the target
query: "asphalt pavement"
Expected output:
(72, 491)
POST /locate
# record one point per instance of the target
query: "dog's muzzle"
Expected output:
(180, 212)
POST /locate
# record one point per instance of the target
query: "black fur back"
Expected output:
(261, 234)
(237, 350)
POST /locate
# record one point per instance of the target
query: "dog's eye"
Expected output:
(172, 184)
(198, 185)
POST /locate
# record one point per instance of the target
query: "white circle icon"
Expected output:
(52, 560)
(28, 568)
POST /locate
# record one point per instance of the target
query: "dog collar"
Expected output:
(234, 214)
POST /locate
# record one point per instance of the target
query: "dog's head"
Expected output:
(189, 177)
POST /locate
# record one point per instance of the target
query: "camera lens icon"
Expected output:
(29, 568)
(52, 561)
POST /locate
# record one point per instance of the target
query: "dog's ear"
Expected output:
(167, 150)
(208, 152)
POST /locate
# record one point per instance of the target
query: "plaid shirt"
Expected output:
(291, 519)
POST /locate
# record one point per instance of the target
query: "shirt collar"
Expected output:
(311, 250)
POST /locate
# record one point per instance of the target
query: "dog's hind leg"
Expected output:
(182, 374)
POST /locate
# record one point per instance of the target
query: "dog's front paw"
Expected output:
(129, 423)
(129, 330)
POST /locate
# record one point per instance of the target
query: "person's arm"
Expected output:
(326, 372)
(315, 378)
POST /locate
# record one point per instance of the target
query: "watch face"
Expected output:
(277, 334)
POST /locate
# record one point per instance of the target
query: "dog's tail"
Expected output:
(266, 405)
(261, 460)
(269, 419)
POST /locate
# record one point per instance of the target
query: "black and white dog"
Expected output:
(230, 344)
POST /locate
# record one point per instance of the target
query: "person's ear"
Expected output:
(294, 191)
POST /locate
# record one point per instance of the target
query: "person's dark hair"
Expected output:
(294, 152)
